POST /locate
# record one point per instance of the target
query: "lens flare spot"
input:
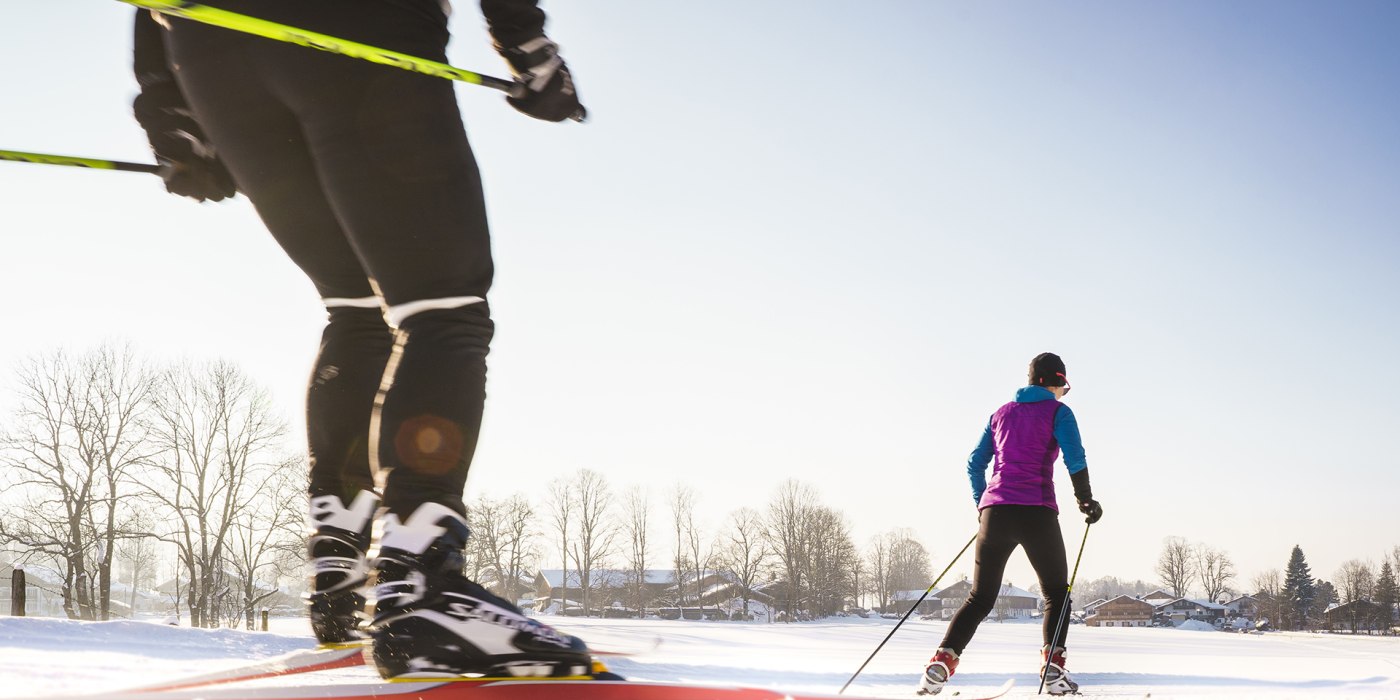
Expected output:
(429, 444)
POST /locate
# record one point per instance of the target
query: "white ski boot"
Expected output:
(431, 621)
(1057, 680)
(339, 538)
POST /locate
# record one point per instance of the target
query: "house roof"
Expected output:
(1126, 598)
(1199, 603)
(1008, 590)
(611, 577)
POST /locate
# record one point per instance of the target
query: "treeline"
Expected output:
(795, 549)
(106, 456)
(106, 459)
(1360, 596)
(1291, 598)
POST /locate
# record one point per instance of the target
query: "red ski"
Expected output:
(324, 658)
(496, 690)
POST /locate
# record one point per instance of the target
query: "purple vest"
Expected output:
(1026, 450)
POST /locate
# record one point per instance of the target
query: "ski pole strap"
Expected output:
(78, 162)
(323, 42)
(906, 615)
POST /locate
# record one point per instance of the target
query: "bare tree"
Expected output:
(505, 536)
(636, 528)
(1356, 580)
(743, 553)
(898, 562)
(1174, 565)
(138, 556)
(878, 557)
(266, 539)
(829, 562)
(561, 515)
(1268, 588)
(78, 436)
(787, 533)
(596, 531)
(700, 552)
(218, 441)
(1214, 571)
(682, 514)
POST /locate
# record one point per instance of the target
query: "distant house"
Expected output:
(1091, 607)
(42, 590)
(1246, 606)
(1016, 603)
(1159, 597)
(901, 600)
(1183, 609)
(1123, 611)
(1356, 616)
(1012, 602)
(613, 592)
(608, 586)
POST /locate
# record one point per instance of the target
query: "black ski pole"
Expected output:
(96, 163)
(906, 615)
(1064, 610)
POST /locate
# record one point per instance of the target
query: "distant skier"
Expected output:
(1017, 507)
(364, 175)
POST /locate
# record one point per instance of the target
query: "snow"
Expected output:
(45, 656)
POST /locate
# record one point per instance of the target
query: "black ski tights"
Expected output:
(364, 175)
(1037, 529)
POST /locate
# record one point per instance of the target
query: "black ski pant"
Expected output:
(364, 176)
(1002, 529)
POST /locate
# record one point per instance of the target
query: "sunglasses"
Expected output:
(1061, 375)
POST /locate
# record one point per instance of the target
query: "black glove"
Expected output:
(1084, 496)
(545, 79)
(189, 165)
(1091, 510)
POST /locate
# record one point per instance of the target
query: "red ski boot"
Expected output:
(940, 668)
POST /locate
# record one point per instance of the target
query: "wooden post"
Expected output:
(264, 619)
(17, 593)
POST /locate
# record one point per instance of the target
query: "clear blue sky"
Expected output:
(823, 243)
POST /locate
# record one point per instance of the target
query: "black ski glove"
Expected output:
(1091, 510)
(1084, 496)
(548, 86)
(188, 162)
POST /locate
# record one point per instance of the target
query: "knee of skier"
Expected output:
(464, 328)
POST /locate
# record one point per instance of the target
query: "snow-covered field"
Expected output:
(41, 657)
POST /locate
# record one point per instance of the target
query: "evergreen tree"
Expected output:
(1298, 589)
(1386, 595)
(1324, 596)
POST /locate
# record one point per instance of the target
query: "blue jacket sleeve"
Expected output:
(1067, 434)
(977, 463)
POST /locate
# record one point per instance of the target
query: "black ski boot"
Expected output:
(431, 621)
(337, 551)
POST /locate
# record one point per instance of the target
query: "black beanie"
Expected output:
(1046, 370)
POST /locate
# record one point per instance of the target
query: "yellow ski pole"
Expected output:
(76, 161)
(324, 42)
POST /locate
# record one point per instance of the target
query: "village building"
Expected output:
(1183, 609)
(1123, 611)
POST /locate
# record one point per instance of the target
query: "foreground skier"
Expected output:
(1017, 507)
(364, 176)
